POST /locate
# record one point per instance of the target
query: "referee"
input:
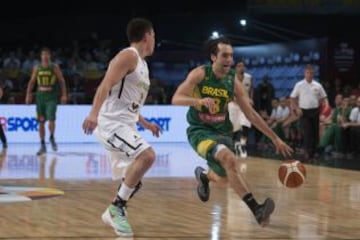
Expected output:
(309, 94)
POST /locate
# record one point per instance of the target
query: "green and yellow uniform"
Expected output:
(333, 134)
(209, 128)
(46, 93)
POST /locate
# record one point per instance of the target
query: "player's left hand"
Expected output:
(282, 147)
(89, 124)
(63, 99)
(155, 129)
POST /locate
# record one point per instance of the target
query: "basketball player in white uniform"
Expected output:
(113, 117)
(241, 124)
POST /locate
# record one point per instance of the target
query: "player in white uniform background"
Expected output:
(113, 117)
(241, 124)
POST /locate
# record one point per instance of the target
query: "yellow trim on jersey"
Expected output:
(204, 146)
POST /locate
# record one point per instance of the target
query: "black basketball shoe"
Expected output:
(203, 188)
(262, 214)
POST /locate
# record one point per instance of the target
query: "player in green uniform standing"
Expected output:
(48, 77)
(208, 90)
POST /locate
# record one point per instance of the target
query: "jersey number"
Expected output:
(216, 108)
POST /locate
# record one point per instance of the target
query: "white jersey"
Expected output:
(247, 83)
(309, 94)
(122, 105)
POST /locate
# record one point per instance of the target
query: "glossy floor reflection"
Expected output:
(327, 206)
(325, 159)
(89, 161)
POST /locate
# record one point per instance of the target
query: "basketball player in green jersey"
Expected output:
(48, 77)
(208, 90)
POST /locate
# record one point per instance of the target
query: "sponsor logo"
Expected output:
(162, 122)
(212, 118)
(16, 124)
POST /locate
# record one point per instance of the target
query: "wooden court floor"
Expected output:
(327, 206)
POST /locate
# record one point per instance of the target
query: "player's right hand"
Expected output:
(89, 124)
(209, 103)
(283, 148)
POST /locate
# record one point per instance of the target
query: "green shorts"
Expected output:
(203, 141)
(46, 110)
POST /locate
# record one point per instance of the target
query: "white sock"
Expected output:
(125, 192)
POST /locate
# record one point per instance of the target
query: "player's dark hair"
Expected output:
(136, 29)
(211, 45)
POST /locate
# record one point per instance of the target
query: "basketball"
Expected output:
(292, 173)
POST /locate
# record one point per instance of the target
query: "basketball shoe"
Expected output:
(116, 217)
(262, 214)
(203, 189)
(53, 144)
(42, 150)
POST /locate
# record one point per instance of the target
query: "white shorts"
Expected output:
(122, 146)
(237, 117)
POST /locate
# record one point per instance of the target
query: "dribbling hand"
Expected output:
(89, 124)
(282, 147)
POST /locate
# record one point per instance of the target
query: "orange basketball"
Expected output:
(292, 173)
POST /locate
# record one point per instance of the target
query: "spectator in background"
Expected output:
(265, 93)
(76, 89)
(356, 91)
(351, 133)
(333, 134)
(7, 87)
(352, 101)
(91, 68)
(310, 95)
(29, 63)
(26, 69)
(324, 118)
(157, 93)
(11, 66)
(295, 133)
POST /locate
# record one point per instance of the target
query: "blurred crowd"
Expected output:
(339, 134)
(83, 65)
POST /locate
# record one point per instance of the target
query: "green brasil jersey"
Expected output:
(222, 91)
(47, 84)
